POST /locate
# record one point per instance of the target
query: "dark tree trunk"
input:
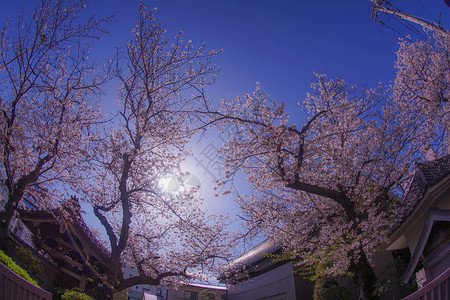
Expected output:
(101, 293)
(10, 207)
(105, 292)
(364, 278)
(7, 214)
(3, 236)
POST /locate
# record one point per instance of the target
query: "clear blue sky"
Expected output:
(281, 43)
(277, 43)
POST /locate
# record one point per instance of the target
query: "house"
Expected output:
(422, 227)
(150, 296)
(165, 292)
(142, 291)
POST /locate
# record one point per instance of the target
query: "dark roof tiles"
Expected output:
(427, 174)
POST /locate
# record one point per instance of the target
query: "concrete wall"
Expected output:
(277, 284)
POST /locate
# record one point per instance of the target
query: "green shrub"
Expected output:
(10, 264)
(29, 261)
(75, 295)
(123, 295)
(328, 289)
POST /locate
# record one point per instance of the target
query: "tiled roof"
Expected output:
(252, 257)
(70, 214)
(434, 171)
(427, 174)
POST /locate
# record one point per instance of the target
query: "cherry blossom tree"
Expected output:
(422, 85)
(163, 234)
(328, 190)
(47, 101)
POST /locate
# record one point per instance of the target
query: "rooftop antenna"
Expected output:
(382, 6)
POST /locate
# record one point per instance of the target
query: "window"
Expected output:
(190, 295)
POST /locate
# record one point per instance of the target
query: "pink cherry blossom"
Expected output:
(327, 191)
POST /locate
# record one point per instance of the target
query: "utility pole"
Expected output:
(385, 7)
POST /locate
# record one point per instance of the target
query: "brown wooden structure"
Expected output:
(63, 238)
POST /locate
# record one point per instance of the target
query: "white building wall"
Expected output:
(277, 284)
(16, 226)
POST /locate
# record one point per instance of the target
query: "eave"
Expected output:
(431, 196)
(433, 216)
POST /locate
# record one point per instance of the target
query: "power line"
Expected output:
(427, 11)
(404, 18)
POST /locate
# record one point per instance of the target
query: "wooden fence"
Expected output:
(13, 287)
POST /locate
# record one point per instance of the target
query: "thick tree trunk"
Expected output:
(101, 293)
(16, 192)
(364, 278)
(3, 236)
(105, 292)
(7, 214)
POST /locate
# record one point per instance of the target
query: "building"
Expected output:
(150, 296)
(183, 292)
(16, 227)
(421, 229)
(164, 292)
(138, 292)
(255, 275)
(74, 257)
(196, 292)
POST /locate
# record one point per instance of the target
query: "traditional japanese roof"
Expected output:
(252, 260)
(426, 175)
(65, 238)
(69, 220)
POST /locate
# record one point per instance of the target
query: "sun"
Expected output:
(175, 184)
(165, 182)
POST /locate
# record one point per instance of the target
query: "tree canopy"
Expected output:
(48, 101)
(328, 190)
(164, 234)
(52, 139)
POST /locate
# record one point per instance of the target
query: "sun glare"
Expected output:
(164, 182)
(174, 184)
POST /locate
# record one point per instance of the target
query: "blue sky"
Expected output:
(277, 43)
(281, 43)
